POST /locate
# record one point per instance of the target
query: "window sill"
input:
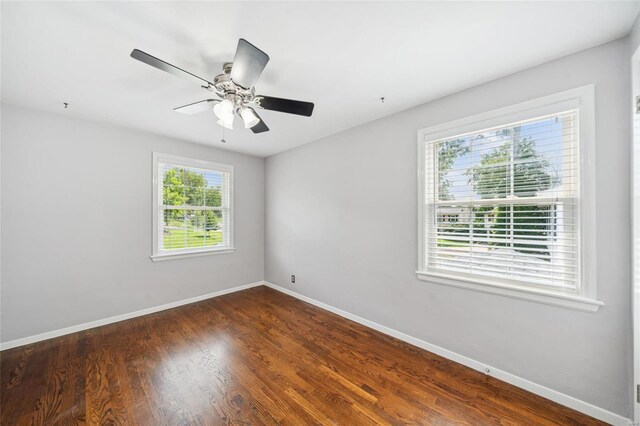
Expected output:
(173, 256)
(547, 297)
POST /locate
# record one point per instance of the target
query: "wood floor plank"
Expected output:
(253, 357)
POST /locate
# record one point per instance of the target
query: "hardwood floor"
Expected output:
(253, 357)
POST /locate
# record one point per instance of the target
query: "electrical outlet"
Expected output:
(293, 279)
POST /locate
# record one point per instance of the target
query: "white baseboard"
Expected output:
(92, 324)
(560, 398)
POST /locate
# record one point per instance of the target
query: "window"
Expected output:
(192, 207)
(502, 199)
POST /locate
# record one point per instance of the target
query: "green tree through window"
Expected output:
(193, 228)
(512, 169)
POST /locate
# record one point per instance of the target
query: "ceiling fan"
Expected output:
(234, 88)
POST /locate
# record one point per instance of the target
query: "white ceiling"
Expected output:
(343, 56)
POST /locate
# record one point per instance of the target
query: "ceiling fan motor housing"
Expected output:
(227, 89)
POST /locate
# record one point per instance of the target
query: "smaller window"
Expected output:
(192, 207)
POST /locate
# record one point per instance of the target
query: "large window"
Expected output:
(192, 207)
(502, 197)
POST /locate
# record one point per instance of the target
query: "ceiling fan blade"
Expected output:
(197, 107)
(284, 105)
(248, 64)
(167, 67)
(261, 126)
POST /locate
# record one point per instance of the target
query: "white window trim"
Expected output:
(156, 254)
(582, 97)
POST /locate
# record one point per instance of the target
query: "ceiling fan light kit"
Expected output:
(249, 117)
(224, 111)
(234, 88)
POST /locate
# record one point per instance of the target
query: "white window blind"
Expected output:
(193, 201)
(502, 203)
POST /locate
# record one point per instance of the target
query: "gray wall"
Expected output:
(341, 216)
(76, 233)
(634, 36)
